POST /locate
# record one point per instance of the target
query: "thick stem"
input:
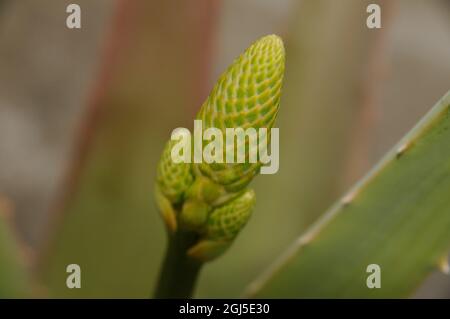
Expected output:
(179, 273)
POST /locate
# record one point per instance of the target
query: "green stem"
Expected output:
(179, 273)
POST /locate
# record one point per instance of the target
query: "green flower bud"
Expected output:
(172, 182)
(222, 227)
(225, 222)
(173, 179)
(211, 199)
(247, 95)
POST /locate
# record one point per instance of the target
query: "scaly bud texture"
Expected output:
(212, 199)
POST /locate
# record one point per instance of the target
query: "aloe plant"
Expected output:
(395, 217)
(398, 217)
(206, 205)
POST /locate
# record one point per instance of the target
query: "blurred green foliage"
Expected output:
(12, 273)
(110, 225)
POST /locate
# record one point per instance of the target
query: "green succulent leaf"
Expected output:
(12, 273)
(397, 217)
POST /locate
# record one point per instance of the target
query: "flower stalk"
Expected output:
(205, 205)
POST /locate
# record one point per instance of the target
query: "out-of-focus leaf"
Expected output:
(397, 217)
(12, 275)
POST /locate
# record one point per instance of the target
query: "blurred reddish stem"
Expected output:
(375, 72)
(202, 17)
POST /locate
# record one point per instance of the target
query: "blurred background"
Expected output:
(84, 115)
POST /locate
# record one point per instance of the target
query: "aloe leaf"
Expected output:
(397, 216)
(12, 277)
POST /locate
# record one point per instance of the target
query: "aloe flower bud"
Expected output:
(172, 182)
(247, 95)
(227, 220)
(173, 179)
(212, 199)
(223, 225)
